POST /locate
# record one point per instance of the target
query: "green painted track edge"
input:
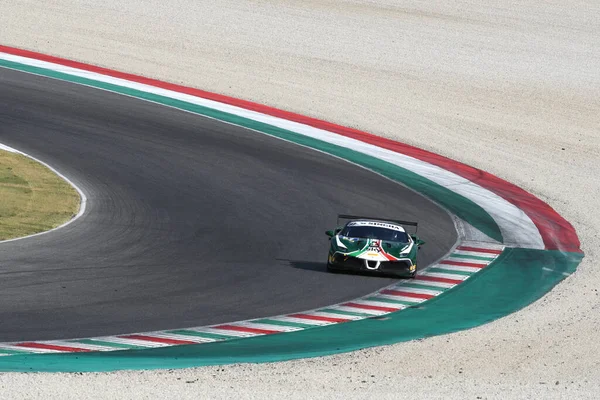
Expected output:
(516, 279)
(453, 202)
(482, 298)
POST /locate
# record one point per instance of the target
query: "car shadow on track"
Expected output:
(322, 267)
(307, 265)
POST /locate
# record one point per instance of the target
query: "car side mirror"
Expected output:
(419, 243)
(330, 233)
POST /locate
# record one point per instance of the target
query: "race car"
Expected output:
(374, 245)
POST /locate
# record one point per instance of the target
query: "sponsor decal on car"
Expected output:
(378, 224)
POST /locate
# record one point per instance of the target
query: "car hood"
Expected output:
(372, 249)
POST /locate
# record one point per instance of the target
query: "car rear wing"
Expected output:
(407, 223)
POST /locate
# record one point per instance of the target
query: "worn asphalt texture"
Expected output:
(190, 221)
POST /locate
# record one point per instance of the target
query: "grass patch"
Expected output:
(32, 198)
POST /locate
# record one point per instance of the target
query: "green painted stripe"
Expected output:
(207, 335)
(282, 323)
(453, 202)
(7, 351)
(420, 286)
(386, 300)
(454, 310)
(342, 312)
(484, 301)
(108, 344)
(472, 257)
(449, 271)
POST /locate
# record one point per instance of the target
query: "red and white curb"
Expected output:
(461, 264)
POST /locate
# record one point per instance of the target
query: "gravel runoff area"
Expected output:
(510, 87)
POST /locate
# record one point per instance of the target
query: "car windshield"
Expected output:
(375, 232)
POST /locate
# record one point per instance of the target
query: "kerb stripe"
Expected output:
(370, 307)
(407, 294)
(246, 329)
(479, 250)
(319, 318)
(157, 339)
(462, 264)
(555, 231)
(34, 345)
(436, 279)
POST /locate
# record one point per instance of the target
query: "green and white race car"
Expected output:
(373, 245)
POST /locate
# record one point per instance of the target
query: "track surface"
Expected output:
(190, 221)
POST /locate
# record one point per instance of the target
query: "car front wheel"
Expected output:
(331, 269)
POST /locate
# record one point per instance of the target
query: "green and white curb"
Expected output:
(462, 263)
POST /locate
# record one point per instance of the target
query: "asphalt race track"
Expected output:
(190, 221)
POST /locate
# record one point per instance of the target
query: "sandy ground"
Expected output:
(508, 86)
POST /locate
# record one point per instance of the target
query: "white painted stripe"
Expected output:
(304, 321)
(458, 253)
(91, 347)
(8, 346)
(477, 265)
(458, 258)
(225, 331)
(278, 328)
(130, 342)
(9, 149)
(176, 336)
(516, 227)
(417, 290)
(482, 245)
(446, 276)
(458, 268)
(207, 329)
(334, 315)
(396, 306)
(401, 298)
(360, 310)
(443, 285)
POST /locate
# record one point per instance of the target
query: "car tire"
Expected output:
(330, 269)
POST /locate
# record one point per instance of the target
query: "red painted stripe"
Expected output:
(436, 279)
(34, 345)
(318, 318)
(386, 255)
(557, 233)
(245, 329)
(407, 294)
(479, 250)
(156, 339)
(462, 264)
(370, 307)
